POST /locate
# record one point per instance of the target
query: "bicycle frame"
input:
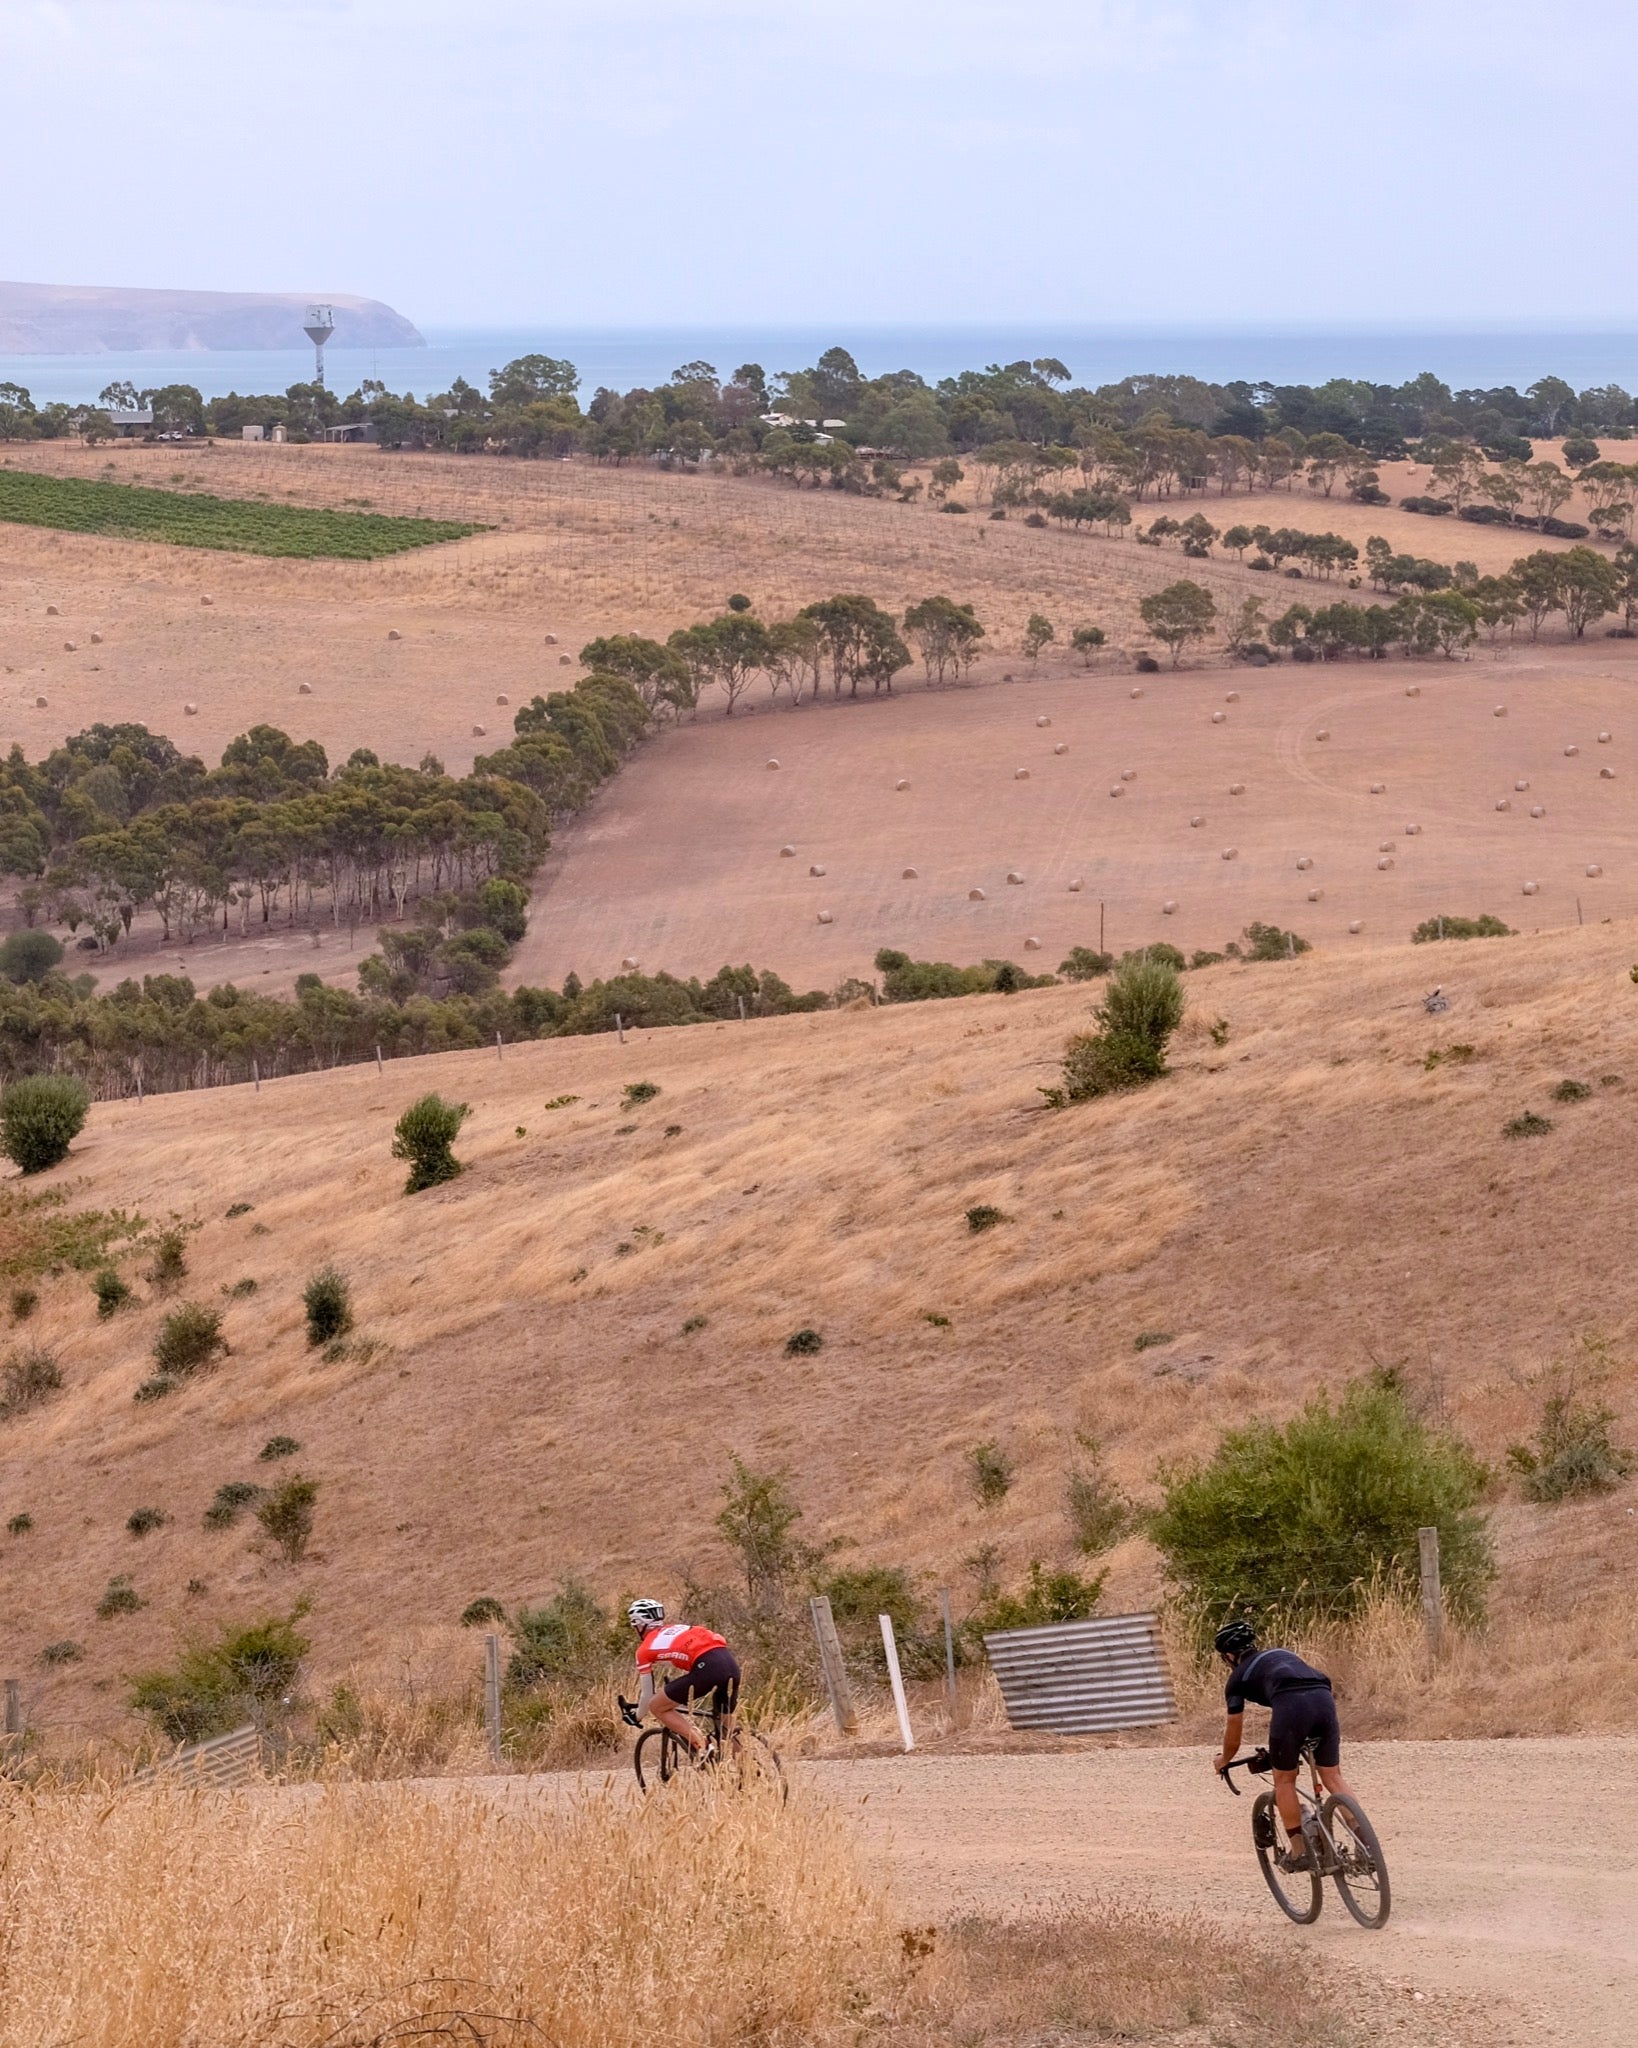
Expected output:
(1310, 1798)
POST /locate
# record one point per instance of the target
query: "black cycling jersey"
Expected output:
(1265, 1674)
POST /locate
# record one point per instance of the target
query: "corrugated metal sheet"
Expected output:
(1080, 1677)
(225, 1760)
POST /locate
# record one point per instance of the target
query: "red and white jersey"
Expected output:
(678, 1644)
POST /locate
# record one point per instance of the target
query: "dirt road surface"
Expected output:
(1512, 1863)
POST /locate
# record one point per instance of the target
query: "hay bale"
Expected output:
(1304, 862)
(1412, 831)
(52, 612)
(1043, 720)
(1504, 803)
(1219, 718)
(207, 600)
(911, 875)
(1314, 895)
(1237, 789)
(1571, 752)
(1500, 711)
(902, 783)
(393, 633)
(1385, 862)
(1384, 846)
(1593, 870)
(770, 764)
(1197, 820)
(1355, 927)
(1606, 774)
(565, 661)
(71, 647)
(1324, 733)
(1413, 689)
(1076, 886)
(96, 639)
(1522, 784)
(1118, 789)
(1231, 853)
(1233, 697)
(1603, 737)
(825, 917)
(1538, 810)
(1062, 747)
(787, 852)
(628, 965)
(975, 895)
(190, 710)
(1379, 789)
(1015, 878)
(502, 698)
(551, 639)
(1020, 775)
(1032, 945)
(480, 732)
(1128, 775)
(304, 689)
(1530, 888)
(816, 869)
(1168, 907)
(1137, 693)
(39, 704)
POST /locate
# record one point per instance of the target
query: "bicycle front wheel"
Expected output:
(1299, 1894)
(1361, 1874)
(657, 1758)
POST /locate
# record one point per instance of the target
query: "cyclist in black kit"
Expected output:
(1301, 1709)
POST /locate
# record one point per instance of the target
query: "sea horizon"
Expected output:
(622, 357)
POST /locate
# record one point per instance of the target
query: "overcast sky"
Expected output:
(1185, 162)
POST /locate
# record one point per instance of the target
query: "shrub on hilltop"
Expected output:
(40, 1117)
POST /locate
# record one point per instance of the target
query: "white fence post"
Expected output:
(896, 1678)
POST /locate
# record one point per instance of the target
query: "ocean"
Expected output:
(623, 357)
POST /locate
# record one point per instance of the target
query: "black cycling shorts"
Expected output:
(717, 1671)
(1298, 1716)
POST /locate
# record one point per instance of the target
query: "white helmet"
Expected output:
(645, 1613)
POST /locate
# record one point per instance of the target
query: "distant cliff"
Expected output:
(87, 320)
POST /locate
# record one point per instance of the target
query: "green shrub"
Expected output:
(423, 1135)
(1220, 1032)
(190, 1339)
(1268, 942)
(859, 1597)
(40, 1117)
(230, 1502)
(1432, 929)
(477, 1612)
(245, 1674)
(27, 1378)
(143, 1520)
(29, 956)
(1305, 1521)
(572, 1636)
(19, 1525)
(636, 1092)
(241, 1290)
(111, 1292)
(1141, 1008)
(240, 1209)
(1571, 1091)
(983, 1216)
(1146, 1340)
(990, 1470)
(1085, 963)
(1573, 1453)
(24, 1301)
(1529, 1125)
(155, 1389)
(1047, 1598)
(328, 1299)
(65, 1652)
(1098, 1513)
(278, 1447)
(803, 1343)
(286, 1514)
(119, 1597)
(170, 1266)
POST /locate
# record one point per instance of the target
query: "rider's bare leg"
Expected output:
(669, 1715)
(1285, 1798)
(1332, 1779)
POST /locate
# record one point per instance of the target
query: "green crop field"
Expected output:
(188, 520)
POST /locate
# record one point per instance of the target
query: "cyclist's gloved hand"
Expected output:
(628, 1712)
(1260, 1764)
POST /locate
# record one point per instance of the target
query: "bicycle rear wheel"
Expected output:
(1361, 1874)
(1299, 1894)
(657, 1758)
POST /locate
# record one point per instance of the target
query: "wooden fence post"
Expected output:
(830, 1658)
(492, 1697)
(256, 1075)
(1433, 1605)
(949, 1648)
(378, 1067)
(11, 1715)
(896, 1680)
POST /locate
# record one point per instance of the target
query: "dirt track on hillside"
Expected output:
(1515, 1886)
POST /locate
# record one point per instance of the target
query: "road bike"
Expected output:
(741, 1753)
(1341, 1841)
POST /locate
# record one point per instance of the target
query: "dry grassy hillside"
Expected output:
(1304, 1199)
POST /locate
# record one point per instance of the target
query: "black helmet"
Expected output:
(1235, 1639)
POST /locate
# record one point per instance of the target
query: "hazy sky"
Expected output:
(625, 161)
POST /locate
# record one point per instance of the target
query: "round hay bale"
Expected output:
(787, 852)
(1076, 886)
(551, 639)
(96, 639)
(1219, 718)
(1137, 693)
(1413, 689)
(1128, 775)
(1117, 789)
(207, 600)
(39, 704)
(816, 869)
(1500, 711)
(1379, 789)
(1020, 775)
(1233, 697)
(1062, 747)
(975, 895)
(1007, 678)
(902, 783)
(1385, 862)
(1522, 784)
(304, 689)
(480, 732)
(1538, 810)
(565, 661)
(770, 764)
(1593, 870)
(1032, 945)
(1043, 720)
(1355, 927)
(911, 875)
(1570, 752)
(1603, 737)
(1530, 888)
(52, 612)
(71, 647)
(1504, 803)
(1384, 846)
(825, 917)
(1412, 831)
(1197, 820)
(502, 698)
(628, 965)
(393, 633)
(1237, 789)
(1606, 774)
(1015, 878)
(1324, 733)
(1168, 908)
(1314, 895)
(190, 710)
(1231, 852)
(1304, 863)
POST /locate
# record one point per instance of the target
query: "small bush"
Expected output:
(1571, 1091)
(1085, 963)
(143, 1520)
(28, 1378)
(40, 1117)
(24, 1301)
(230, 1502)
(328, 1299)
(247, 1673)
(29, 956)
(240, 1209)
(1098, 1513)
(1432, 929)
(1142, 1007)
(803, 1343)
(190, 1339)
(636, 1092)
(19, 1525)
(1573, 1452)
(170, 1266)
(984, 1216)
(155, 1389)
(286, 1514)
(1048, 1597)
(477, 1612)
(1146, 1340)
(423, 1135)
(692, 1324)
(1268, 942)
(278, 1447)
(1220, 1032)
(1146, 665)
(65, 1652)
(571, 1636)
(990, 1470)
(119, 1597)
(111, 1292)
(1529, 1125)
(241, 1290)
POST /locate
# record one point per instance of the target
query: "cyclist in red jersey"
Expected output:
(699, 1661)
